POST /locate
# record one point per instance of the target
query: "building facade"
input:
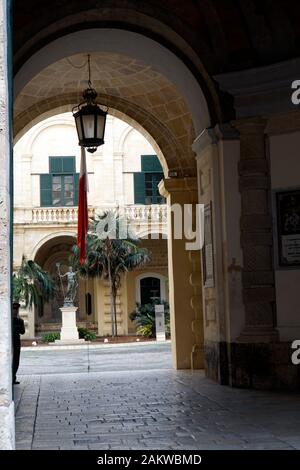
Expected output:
(122, 175)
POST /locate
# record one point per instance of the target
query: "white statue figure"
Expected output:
(70, 295)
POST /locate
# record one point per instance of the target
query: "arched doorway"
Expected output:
(151, 287)
(50, 254)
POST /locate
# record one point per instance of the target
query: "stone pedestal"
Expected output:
(69, 332)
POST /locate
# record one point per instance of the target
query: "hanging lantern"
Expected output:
(90, 119)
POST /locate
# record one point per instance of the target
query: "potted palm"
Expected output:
(30, 285)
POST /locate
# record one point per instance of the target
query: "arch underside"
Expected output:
(171, 153)
(135, 77)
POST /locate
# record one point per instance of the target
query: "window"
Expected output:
(152, 195)
(63, 190)
(146, 182)
(60, 187)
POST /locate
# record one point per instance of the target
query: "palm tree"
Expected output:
(109, 256)
(31, 285)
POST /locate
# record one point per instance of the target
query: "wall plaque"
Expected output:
(288, 227)
(208, 250)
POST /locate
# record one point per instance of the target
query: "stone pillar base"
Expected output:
(69, 332)
(59, 342)
(261, 366)
(263, 335)
(7, 427)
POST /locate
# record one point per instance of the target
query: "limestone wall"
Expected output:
(110, 169)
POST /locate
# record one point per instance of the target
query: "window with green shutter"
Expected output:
(139, 188)
(46, 190)
(151, 163)
(152, 195)
(62, 165)
(146, 182)
(59, 188)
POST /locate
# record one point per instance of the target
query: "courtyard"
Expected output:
(113, 397)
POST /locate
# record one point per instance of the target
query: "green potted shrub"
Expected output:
(144, 317)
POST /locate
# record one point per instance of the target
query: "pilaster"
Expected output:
(185, 291)
(256, 233)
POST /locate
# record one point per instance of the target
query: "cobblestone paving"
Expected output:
(149, 409)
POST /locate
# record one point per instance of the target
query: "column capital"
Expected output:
(256, 125)
(205, 139)
(212, 136)
(168, 186)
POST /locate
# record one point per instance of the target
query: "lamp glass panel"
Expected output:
(100, 126)
(78, 127)
(88, 126)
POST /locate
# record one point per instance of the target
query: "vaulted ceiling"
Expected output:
(209, 36)
(227, 35)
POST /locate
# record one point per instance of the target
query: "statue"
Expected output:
(70, 295)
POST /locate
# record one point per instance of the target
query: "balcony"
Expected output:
(68, 215)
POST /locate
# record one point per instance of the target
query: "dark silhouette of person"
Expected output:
(18, 328)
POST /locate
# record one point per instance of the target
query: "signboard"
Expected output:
(288, 228)
(208, 252)
(160, 323)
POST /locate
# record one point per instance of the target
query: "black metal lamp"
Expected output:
(90, 119)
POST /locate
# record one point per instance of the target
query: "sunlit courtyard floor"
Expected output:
(129, 397)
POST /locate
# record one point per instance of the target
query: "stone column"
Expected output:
(217, 155)
(256, 234)
(184, 280)
(6, 402)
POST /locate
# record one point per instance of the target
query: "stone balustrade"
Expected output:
(139, 213)
(68, 215)
(56, 215)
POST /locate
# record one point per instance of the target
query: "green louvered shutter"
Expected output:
(46, 190)
(151, 164)
(60, 165)
(139, 188)
(55, 164)
(68, 164)
(76, 186)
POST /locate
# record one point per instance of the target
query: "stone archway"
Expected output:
(53, 249)
(48, 252)
(143, 81)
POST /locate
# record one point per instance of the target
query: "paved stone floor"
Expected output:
(132, 399)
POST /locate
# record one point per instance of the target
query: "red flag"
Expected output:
(82, 208)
